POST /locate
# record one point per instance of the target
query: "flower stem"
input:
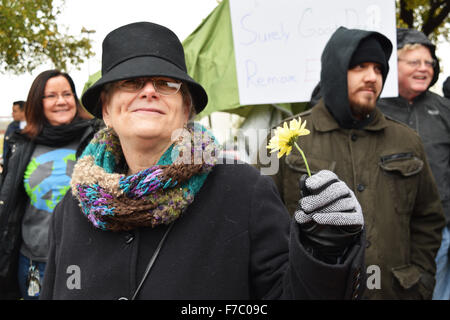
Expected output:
(304, 158)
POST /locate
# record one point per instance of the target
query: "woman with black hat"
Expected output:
(153, 215)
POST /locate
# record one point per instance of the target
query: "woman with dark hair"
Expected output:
(37, 116)
(35, 177)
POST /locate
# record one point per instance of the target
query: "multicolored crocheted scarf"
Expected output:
(157, 195)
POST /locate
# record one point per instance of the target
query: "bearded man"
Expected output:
(381, 160)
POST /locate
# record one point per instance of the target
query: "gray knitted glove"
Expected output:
(328, 201)
(329, 216)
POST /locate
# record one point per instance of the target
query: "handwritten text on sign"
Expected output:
(278, 43)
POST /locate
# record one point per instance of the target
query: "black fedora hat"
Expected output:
(142, 49)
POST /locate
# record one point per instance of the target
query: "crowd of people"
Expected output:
(107, 198)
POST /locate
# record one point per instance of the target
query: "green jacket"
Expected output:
(385, 165)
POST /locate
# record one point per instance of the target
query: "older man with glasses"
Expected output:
(429, 114)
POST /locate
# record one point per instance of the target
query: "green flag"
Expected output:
(210, 61)
(91, 80)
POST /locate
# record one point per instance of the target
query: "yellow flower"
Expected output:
(285, 138)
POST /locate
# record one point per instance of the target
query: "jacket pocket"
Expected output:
(411, 283)
(401, 171)
(404, 164)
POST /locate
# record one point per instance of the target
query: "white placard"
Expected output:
(278, 43)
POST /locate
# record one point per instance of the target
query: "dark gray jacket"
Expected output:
(446, 88)
(429, 116)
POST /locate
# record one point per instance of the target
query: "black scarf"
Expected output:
(58, 136)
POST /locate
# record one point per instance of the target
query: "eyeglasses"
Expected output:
(417, 63)
(52, 97)
(162, 86)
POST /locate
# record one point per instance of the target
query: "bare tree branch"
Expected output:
(434, 21)
(406, 14)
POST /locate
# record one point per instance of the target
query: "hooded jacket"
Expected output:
(385, 165)
(335, 64)
(411, 36)
(446, 88)
(429, 116)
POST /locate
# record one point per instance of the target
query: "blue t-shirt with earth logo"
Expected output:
(46, 181)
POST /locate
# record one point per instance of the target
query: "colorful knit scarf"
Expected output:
(157, 195)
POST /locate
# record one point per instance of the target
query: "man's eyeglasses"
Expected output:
(161, 85)
(417, 63)
(52, 97)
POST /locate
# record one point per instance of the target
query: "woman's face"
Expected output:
(144, 113)
(59, 102)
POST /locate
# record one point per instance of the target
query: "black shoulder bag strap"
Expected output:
(152, 261)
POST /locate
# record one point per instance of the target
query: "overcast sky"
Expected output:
(181, 16)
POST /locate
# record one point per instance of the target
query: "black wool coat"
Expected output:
(235, 241)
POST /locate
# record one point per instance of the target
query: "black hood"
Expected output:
(335, 64)
(412, 36)
(446, 88)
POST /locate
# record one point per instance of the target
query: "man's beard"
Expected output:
(361, 110)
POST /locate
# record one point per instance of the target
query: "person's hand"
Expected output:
(329, 215)
(328, 201)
